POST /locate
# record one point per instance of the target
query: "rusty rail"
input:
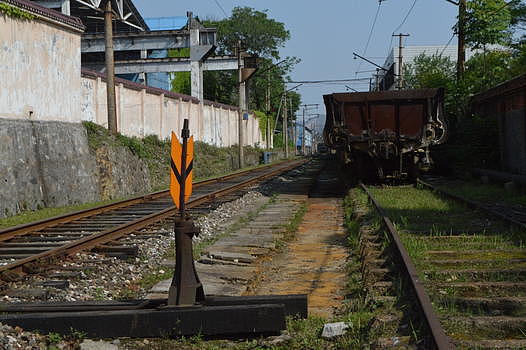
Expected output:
(22, 229)
(124, 229)
(472, 204)
(441, 340)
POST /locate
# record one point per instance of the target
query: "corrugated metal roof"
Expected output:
(166, 23)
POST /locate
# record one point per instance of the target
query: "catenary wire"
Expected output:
(221, 7)
(370, 32)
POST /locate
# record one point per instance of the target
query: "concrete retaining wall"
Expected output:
(49, 164)
(44, 164)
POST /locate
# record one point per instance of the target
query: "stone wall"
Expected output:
(44, 164)
(121, 173)
(49, 164)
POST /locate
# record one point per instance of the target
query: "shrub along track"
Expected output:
(22, 247)
(471, 263)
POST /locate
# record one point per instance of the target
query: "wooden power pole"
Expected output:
(285, 128)
(242, 103)
(461, 58)
(110, 69)
(268, 137)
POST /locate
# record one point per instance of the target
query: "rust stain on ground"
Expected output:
(314, 263)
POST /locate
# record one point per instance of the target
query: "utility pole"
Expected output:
(110, 69)
(461, 58)
(242, 99)
(285, 128)
(294, 136)
(400, 60)
(303, 133)
(268, 110)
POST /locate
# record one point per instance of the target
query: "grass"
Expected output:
(209, 160)
(41, 214)
(487, 193)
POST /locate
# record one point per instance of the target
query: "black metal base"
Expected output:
(218, 316)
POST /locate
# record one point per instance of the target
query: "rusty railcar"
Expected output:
(385, 133)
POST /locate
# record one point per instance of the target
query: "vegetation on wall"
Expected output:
(15, 12)
(473, 139)
(208, 160)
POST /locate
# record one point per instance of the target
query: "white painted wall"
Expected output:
(39, 70)
(143, 111)
(41, 79)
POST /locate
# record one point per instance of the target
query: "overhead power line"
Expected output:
(221, 7)
(402, 23)
(371, 32)
(325, 81)
(449, 42)
(406, 16)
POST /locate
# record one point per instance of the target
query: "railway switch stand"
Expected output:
(186, 289)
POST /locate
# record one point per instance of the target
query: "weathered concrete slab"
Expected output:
(231, 256)
(227, 272)
(211, 261)
(227, 266)
(235, 248)
(253, 243)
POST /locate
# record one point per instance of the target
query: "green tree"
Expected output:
(487, 22)
(487, 69)
(436, 71)
(429, 72)
(258, 34)
(518, 62)
(181, 83)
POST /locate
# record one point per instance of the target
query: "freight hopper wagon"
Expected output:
(385, 134)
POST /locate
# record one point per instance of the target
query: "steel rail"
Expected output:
(121, 230)
(441, 340)
(22, 229)
(472, 204)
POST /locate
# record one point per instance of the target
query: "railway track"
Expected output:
(100, 228)
(466, 268)
(514, 214)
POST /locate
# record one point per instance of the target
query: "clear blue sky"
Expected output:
(324, 34)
